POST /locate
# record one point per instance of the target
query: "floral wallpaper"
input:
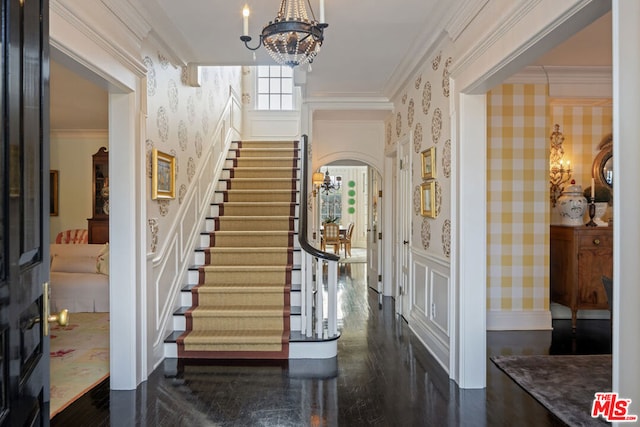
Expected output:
(422, 109)
(180, 121)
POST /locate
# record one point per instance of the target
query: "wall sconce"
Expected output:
(559, 172)
(317, 180)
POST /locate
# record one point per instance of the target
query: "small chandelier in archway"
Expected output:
(326, 183)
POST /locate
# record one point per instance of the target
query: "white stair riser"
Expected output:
(185, 299)
(192, 277)
(226, 174)
(295, 322)
(171, 350)
(296, 298)
(179, 323)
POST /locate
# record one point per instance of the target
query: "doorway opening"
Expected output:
(79, 235)
(351, 199)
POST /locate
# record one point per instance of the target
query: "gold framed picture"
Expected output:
(429, 163)
(53, 193)
(428, 199)
(163, 185)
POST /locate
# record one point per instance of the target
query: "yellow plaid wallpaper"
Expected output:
(518, 198)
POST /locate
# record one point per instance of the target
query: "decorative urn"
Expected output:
(572, 206)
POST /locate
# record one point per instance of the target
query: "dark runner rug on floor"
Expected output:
(565, 385)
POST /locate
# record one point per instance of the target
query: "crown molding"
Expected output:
(569, 81)
(129, 16)
(163, 34)
(463, 16)
(492, 35)
(412, 64)
(457, 17)
(529, 75)
(424, 45)
(79, 134)
(345, 103)
(125, 48)
(505, 45)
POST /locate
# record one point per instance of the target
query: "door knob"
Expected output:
(405, 242)
(61, 318)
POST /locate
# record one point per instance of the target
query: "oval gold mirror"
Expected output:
(603, 163)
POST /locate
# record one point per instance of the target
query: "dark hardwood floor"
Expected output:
(383, 376)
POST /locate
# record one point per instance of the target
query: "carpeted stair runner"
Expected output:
(241, 304)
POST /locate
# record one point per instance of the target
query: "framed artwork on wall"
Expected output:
(163, 185)
(428, 199)
(53, 193)
(429, 163)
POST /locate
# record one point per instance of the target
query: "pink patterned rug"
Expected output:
(79, 357)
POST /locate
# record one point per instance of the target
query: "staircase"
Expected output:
(240, 303)
(245, 284)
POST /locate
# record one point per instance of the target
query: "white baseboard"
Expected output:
(313, 349)
(518, 320)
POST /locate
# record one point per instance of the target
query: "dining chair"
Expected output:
(345, 241)
(331, 237)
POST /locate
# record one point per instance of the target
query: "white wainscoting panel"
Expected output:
(261, 125)
(420, 284)
(430, 316)
(440, 298)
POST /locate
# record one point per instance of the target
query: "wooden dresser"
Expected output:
(580, 256)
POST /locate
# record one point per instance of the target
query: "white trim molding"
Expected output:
(568, 82)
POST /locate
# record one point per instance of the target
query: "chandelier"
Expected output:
(291, 38)
(326, 183)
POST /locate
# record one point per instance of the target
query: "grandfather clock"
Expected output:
(99, 223)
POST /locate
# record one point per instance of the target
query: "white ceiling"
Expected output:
(364, 43)
(368, 46)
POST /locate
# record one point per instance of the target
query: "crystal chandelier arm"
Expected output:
(247, 39)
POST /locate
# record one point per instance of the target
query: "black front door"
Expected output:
(24, 212)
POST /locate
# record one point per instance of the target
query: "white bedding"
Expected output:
(75, 281)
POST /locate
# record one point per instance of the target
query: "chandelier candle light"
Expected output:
(291, 38)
